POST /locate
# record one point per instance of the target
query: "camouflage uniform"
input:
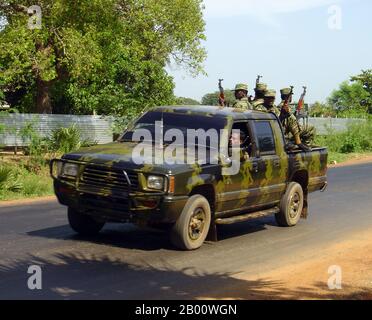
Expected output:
(273, 108)
(260, 88)
(242, 103)
(289, 123)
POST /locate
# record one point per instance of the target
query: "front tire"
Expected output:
(192, 226)
(291, 206)
(83, 224)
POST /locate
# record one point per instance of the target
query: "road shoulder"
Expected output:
(310, 279)
(25, 202)
(360, 159)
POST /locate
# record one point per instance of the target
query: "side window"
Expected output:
(266, 143)
(245, 142)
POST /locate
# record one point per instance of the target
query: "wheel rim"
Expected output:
(197, 223)
(294, 205)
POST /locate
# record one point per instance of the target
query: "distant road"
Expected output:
(124, 262)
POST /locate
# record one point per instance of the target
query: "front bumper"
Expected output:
(134, 207)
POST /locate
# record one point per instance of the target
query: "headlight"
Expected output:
(56, 168)
(155, 182)
(59, 167)
(70, 170)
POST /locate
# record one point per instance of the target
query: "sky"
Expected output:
(313, 43)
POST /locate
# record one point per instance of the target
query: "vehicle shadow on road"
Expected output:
(115, 235)
(132, 237)
(245, 228)
(83, 276)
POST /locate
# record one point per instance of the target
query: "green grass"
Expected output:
(356, 139)
(32, 184)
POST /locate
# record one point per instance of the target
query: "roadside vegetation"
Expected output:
(355, 142)
(26, 175)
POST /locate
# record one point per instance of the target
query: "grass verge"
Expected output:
(20, 179)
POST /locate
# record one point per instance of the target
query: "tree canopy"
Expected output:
(211, 99)
(349, 96)
(182, 101)
(365, 79)
(107, 56)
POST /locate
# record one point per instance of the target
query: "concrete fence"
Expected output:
(336, 124)
(92, 128)
(99, 129)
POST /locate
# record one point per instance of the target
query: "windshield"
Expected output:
(157, 121)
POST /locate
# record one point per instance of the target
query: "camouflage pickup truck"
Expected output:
(189, 199)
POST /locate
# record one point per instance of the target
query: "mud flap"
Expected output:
(305, 212)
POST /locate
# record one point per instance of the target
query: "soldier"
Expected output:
(268, 104)
(285, 94)
(241, 95)
(289, 122)
(259, 95)
(288, 119)
(238, 140)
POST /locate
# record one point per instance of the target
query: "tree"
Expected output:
(181, 101)
(319, 109)
(349, 97)
(107, 56)
(211, 99)
(365, 79)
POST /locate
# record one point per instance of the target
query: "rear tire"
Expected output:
(192, 226)
(83, 224)
(291, 206)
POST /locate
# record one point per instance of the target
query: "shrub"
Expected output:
(37, 146)
(9, 180)
(65, 140)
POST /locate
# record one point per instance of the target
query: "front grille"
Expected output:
(108, 181)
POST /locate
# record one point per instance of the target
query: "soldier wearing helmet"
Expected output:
(288, 120)
(241, 96)
(259, 95)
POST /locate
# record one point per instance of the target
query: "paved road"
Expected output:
(124, 262)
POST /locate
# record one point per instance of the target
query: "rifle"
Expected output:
(258, 80)
(300, 103)
(221, 98)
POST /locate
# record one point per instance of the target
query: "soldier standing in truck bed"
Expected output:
(268, 104)
(241, 95)
(289, 122)
(259, 95)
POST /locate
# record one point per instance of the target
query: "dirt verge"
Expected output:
(310, 279)
(355, 161)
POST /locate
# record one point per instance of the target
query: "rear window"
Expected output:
(265, 137)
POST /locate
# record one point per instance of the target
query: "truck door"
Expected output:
(241, 191)
(270, 160)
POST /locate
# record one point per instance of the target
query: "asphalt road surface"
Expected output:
(125, 262)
